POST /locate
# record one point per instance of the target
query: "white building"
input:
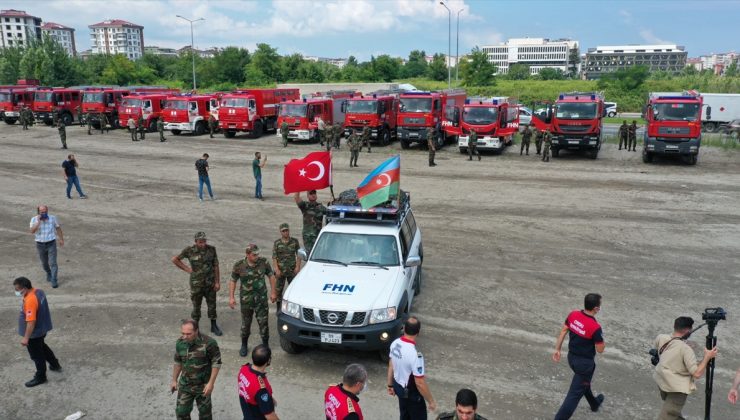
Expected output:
(537, 53)
(63, 35)
(154, 50)
(610, 58)
(18, 28)
(339, 62)
(117, 37)
(450, 61)
(209, 53)
(718, 62)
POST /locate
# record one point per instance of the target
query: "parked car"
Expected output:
(732, 128)
(611, 109)
(525, 116)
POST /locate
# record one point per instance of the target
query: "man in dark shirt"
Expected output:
(257, 166)
(201, 165)
(70, 175)
(585, 339)
(255, 392)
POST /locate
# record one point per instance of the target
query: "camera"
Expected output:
(714, 315)
(654, 357)
(44, 216)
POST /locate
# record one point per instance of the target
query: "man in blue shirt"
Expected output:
(70, 175)
(257, 170)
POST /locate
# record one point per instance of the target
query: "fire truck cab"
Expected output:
(375, 110)
(673, 125)
(302, 116)
(495, 120)
(146, 105)
(14, 97)
(63, 99)
(419, 110)
(97, 101)
(252, 110)
(575, 121)
(188, 113)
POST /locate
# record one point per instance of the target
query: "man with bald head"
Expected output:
(47, 231)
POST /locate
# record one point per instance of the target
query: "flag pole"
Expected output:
(331, 176)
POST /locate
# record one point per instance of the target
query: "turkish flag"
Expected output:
(313, 172)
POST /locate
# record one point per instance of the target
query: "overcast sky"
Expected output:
(339, 28)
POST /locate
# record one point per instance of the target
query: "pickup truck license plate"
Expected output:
(574, 141)
(331, 338)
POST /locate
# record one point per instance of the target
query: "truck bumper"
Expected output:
(672, 146)
(12, 114)
(367, 338)
(576, 143)
(412, 134)
(300, 134)
(178, 126)
(373, 131)
(245, 126)
(43, 116)
(483, 143)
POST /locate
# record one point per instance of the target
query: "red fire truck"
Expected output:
(302, 116)
(65, 100)
(97, 100)
(189, 113)
(575, 121)
(419, 110)
(673, 125)
(495, 120)
(252, 110)
(147, 105)
(15, 97)
(375, 110)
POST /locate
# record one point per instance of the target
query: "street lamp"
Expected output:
(192, 50)
(449, 43)
(457, 48)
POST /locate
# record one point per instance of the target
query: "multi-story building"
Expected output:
(209, 53)
(610, 58)
(339, 62)
(537, 53)
(18, 28)
(718, 62)
(63, 35)
(154, 50)
(117, 37)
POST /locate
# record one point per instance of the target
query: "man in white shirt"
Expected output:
(47, 232)
(406, 375)
(678, 368)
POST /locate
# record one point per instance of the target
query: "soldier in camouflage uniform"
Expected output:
(205, 277)
(526, 139)
(321, 128)
(431, 146)
(160, 128)
(62, 133)
(355, 144)
(473, 145)
(632, 131)
(142, 127)
(313, 218)
(623, 132)
(538, 140)
(284, 133)
(55, 116)
(366, 138)
(547, 140)
(250, 273)
(197, 362)
(212, 123)
(103, 122)
(89, 124)
(78, 109)
(337, 132)
(286, 261)
(328, 136)
(23, 117)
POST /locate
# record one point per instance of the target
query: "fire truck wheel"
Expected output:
(440, 143)
(257, 132)
(593, 153)
(690, 159)
(386, 137)
(709, 127)
(10, 121)
(200, 128)
(176, 132)
(647, 157)
(67, 119)
(229, 134)
(405, 144)
(463, 150)
(555, 152)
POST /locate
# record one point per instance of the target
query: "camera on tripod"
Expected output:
(714, 315)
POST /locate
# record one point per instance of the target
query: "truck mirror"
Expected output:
(302, 254)
(344, 107)
(413, 261)
(456, 117)
(709, 112)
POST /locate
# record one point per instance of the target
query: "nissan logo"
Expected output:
(332, 318)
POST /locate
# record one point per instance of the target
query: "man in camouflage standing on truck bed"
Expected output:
(250, 273)
(286, 261)
(197, 362)
(205, 277)
(313, 218)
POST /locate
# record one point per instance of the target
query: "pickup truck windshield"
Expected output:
(42, 96)
(480, 115)
(234, 102)
(362, 107)
(349, 248)
(177, 105)
(91, 97)
(575, 111)
(416, 105)
(293, 110)
(676, 112)
(131, 103)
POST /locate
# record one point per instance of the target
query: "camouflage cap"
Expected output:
(284, 226)
(253, 249)
(200, 235)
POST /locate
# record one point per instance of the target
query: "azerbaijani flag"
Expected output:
(381, 183)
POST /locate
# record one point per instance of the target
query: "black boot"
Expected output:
(215, 329)
(35, 381)
(266, 341)
(245, 348)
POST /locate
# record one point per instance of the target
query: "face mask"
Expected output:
(19, 294)
(364, 388)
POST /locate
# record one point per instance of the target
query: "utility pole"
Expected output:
(457, 49)
(449, 44)
(192, 48)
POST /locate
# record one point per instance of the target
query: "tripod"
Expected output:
(711, 343)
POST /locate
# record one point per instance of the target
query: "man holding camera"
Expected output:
(677, 369)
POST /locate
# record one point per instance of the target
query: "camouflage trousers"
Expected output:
(622, 140)
(309, 239)
(546, 153)
(197, 295)
(63, 138)
(161, 135)
(538, 145)
(432, 152)
(322, 136)
(353, 155)
(472, 150)
(285, 140)
(185, 397)
(255, 306)
(280, 285)
(366, 143)
(525, 147)
(632, 145)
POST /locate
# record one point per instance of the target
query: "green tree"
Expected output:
(731, 70)
(518, 71)
(476, 70)
(267, 61)
(416, 66)
(628, 79)
(290, 65)
(549, 73)
(10, 64)
(386, 68)
(229, 64)
(574, 58)
(437, 69)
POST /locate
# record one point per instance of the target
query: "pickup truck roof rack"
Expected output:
(393, 213)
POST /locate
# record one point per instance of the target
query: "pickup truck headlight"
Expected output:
(378, 316)
(292, 309)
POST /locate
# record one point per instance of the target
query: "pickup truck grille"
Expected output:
(358, 318)
(308, 315)
(332, 317)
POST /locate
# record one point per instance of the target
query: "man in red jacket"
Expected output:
(255, 392)
(341, 401)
